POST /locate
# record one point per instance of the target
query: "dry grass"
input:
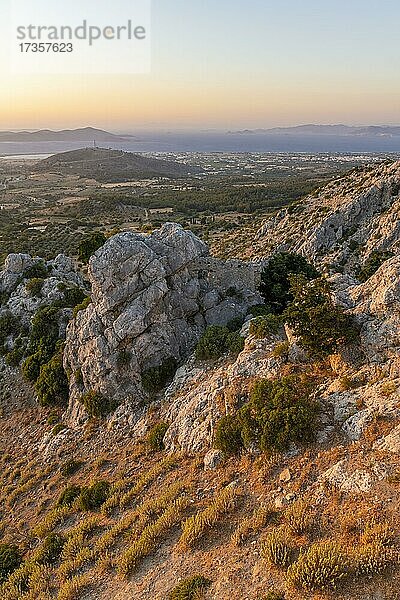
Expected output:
(148, 540)
(277, 547)
(196, 526)
(252, 524)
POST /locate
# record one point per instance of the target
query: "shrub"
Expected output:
(228, 436)
(275, 279)
(262, 327)
(259, 310)
(14, 358)
(51, 549)
(320, 325)
(372, 264)
(31, 367)
(70, 467)
(69, 495)
(97, 405)
(58, 428)
(322, 566)
(235, 324)
(34, 286)
(155, 437)
(373, 559)
(73, 296)
(281, 350)
(298, 517)
(90, 245)
(78, 377)
(277, 547)
(9, 325)
(155, 378)
(52, 384)
(274, 596)
(10, 560)
(36, 271)
(190, 588)
(82, 306)
(279, 413)
(217, 341)
(91, 498)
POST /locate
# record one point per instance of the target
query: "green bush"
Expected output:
(97, 405)
(34, 286)
(262, 327)
(14, 358)
(10, 560)
(190, 588)
(70, 467)
(82, 306)
(259, 310)
(73, 296)
(275, 279)
(91, 498)
(156, 378)
(228, 436)
(373, 263)
(317, 322)
(52, 384)
(69, 495)
(51, 549)
(31, 366)
(155, 437)
(279, 412)
(217, 341)
(58, 428)
(90, 245)
(36, 271)
(9, 325)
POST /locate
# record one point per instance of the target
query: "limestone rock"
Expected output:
(152, 298)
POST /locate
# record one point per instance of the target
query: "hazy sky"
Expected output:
(234, 63)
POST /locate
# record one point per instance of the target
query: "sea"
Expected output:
(216, 141)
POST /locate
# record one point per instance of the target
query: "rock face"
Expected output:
(14, 288)
(343, 224)
(152, 298)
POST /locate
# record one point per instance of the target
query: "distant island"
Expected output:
(83, 134)
(338, 130)
(111, 166)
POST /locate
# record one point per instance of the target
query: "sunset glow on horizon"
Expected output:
(235, 65)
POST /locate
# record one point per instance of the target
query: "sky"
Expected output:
(229, 64)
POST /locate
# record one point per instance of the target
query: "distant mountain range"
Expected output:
(369, 130)
(84, 134)
(113, 166)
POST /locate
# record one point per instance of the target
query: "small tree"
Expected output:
(275, 278)
(52, 384)
(320, 325)
(90, 245)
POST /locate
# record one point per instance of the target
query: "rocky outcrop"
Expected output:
(152, 298)
(17, 297)
(340, 226)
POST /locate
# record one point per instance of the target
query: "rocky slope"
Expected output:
(342, 224)
(151, 299)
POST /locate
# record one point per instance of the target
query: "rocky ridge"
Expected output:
(341, 225)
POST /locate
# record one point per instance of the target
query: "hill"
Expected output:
(200, 428)
(84, 134)
(112, 165)
(335, 130)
